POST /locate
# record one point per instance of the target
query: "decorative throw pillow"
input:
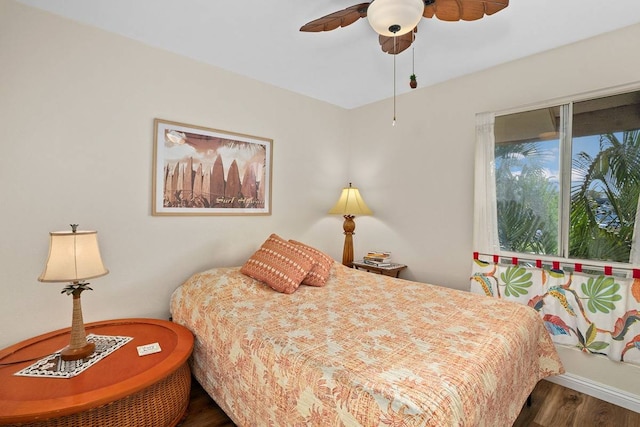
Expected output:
(280, 264)
(321, 270)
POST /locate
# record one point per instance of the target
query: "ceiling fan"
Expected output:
(396, 20)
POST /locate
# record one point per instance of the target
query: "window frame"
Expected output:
(566, 146)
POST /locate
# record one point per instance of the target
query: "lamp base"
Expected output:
(79, 347)
(348, 226)
(69, 353)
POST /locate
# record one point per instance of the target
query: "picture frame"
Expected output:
(204, 171)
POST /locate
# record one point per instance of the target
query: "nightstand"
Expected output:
(393, 270)
(121, 389)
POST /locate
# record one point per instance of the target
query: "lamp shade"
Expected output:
(73, 256)
(350, 203)
(394, 17)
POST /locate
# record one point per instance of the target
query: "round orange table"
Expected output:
(121, 389)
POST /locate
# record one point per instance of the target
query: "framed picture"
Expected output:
(202, 171)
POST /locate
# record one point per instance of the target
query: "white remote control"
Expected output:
(143, 350)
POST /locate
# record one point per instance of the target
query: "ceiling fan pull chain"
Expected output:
(394, 83)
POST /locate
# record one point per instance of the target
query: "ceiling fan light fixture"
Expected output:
(394, 17)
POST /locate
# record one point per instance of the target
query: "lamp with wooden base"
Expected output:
(74, 257)
(349, 205)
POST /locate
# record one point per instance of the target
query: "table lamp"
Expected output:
(74, 257)
(349, 205)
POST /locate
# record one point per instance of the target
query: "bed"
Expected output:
(362, 350)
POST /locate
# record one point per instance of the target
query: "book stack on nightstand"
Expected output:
(379, 262)
(377, 258)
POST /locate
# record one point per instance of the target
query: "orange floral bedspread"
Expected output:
(364, 350)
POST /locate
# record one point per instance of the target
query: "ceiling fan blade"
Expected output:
(401, 43)
(341, 18)
(466, 10)
(492, 7)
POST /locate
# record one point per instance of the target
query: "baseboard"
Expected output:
(600, 391)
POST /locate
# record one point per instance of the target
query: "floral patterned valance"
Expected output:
(599, 314)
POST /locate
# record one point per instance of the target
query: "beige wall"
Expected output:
(77, 106)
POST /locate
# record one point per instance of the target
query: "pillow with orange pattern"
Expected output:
(321, 269)
(280, 264)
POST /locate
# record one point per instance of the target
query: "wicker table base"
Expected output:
(161, 404)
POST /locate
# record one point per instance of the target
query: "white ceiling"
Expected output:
(345, 67)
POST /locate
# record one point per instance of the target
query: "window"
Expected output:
(567, 178)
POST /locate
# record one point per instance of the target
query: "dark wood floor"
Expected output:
(552, 406)
(557, 406)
